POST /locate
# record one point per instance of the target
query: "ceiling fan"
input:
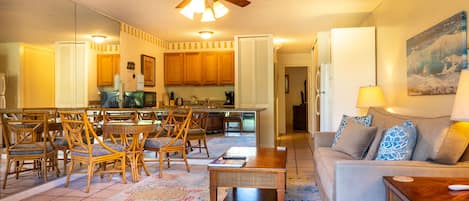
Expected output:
(240, 3)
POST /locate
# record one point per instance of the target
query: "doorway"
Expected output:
(296, 98)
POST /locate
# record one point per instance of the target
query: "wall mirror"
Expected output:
(28, 38)
(35, 28)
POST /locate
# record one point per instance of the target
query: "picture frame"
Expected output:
(287, 83)
(148, 64)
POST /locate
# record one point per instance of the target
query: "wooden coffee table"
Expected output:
(425, 189)
(265, 169)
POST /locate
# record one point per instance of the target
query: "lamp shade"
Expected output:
(461, 101)
(370, 96)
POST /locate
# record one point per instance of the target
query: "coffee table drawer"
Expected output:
(247, 179)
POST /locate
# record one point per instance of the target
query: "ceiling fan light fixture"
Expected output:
(205, 34)
(187, 12)
(219, 9)
(98, 38)
(198, 6)
(208, 16)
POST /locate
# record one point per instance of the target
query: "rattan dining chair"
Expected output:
(198, 131)
(79, 131)
(171, 138)
(30, 142)
(55, 128)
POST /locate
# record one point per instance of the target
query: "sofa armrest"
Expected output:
(363, 179)
(323, 139)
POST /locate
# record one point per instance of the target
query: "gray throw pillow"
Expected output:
(355, 139)
(373, 150)
(453, 145)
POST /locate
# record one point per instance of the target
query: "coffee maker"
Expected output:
(229, 98)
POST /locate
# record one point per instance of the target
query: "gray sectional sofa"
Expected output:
(341, 178)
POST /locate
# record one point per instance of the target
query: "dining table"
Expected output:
(133, 136)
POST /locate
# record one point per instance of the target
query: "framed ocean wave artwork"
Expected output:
(436, 57)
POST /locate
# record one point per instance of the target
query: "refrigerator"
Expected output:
(323, 91)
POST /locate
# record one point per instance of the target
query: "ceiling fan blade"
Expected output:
(241, 3)
(183, 3)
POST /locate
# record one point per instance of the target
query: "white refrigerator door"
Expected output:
(325, 102)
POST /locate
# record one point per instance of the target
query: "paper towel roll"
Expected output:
(140, 82)
(117, 82)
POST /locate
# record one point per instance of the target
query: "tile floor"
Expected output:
(299, 164)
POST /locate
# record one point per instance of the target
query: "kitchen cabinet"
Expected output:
(174, 68)
(199, 68)
(192, 68)
(215, 122)
(108, 66)
(210, 68)
(226, 68)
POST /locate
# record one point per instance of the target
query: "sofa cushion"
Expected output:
(453, 146)
(325, 159)
(364, 120)
(430, 130)
(373, 150)
(398, 142)
(355, 139)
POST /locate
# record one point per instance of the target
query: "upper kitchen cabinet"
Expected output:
(226, 68)
(174, 68)
(108, 66)
(192, 68)
(199, 68)
(210, 68)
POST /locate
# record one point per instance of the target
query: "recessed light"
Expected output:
(98, 38)
(205, 34)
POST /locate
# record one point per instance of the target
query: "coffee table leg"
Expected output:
(213, 186)
(213, 193)
(281, 186)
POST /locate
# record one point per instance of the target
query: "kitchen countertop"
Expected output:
(194, 108)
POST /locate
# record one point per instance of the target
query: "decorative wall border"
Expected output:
(142, 35)
(198, 46)
(105, 48)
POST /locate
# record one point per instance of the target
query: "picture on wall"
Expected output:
(148, 69)
(436, 57)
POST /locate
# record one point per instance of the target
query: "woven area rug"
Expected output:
(302, 189)
(176, 185)
(218, 144)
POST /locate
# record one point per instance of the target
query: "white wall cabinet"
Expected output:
(71, 80)
(254, 82)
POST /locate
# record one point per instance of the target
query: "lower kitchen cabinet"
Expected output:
(215, 122)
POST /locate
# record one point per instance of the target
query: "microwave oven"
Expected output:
(149, 99)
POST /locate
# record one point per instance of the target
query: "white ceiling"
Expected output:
(294, 20)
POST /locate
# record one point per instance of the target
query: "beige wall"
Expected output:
(30, 74)
(396, 21)
(37, 76)
(131, 47)
(216, 93)
(287, 60)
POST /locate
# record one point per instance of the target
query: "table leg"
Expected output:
(281, 186)
(213, 193)
(213, 186)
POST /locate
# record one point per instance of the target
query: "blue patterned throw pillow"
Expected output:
(398, 142)
(363, 120)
